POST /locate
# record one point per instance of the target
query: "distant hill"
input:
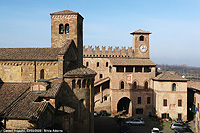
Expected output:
(192, 73)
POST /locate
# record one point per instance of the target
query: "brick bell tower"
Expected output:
(141, 43)
(65, 25)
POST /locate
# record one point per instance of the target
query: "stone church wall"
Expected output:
(27, 71)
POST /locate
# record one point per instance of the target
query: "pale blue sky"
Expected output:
(175, 25)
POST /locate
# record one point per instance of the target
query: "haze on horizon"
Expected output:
(174, 25)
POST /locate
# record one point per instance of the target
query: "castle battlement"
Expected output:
(109, 52)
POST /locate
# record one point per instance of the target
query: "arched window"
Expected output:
(84, 83)
(135, 85)
(42, 74)
(73, 84)
(66, 28)
(122, 85)
(173, 87)
(141, 38)
(146, 85)
(79, 84)
(88, 83)
(61, 29)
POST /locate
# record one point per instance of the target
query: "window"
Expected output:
(135, 85)
(138, 69)
(110, 69)
(42, 74)
(165, 116)
(148, 100)
(73, 84)
(146, 85)
(105, 98)
(79, 83)
(120, 69)
(139, 111)
(97, 64)
(106, 64)
(139, 100)
(129, 69)
(179, 116)
(164, 102)
(122, 85)
(66, 28)
(141, 38)
(173, 87)
(84, 83)
(101, 76)
(61, 29)
(88, 83)
(147, 69)
(87, 64)
(179, 102)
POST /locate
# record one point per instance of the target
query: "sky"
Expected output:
(175, 25)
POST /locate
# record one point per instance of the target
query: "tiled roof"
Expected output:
(140, 32)
(53, 90)
(75, 69)
(29, 53)
(81, 71)
(65, 12)
(34, 53)
(26, 108)
(193, 84)
(169, 76)
(9, 92)
(131, 62)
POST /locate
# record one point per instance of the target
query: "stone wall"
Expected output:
(27, 71)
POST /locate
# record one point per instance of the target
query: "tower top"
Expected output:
(66, 12)
(140, 32)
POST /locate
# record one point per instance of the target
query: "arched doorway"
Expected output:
(124, 105)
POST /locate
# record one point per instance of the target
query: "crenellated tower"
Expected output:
(65, 25)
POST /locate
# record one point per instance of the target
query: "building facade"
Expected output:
(126, 80)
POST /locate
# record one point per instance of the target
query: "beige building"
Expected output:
(127, 81)
(170, 96)
(49, 87)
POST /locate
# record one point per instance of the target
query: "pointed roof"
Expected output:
(169, 76)
(140, 32)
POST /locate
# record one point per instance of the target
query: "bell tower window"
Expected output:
(66, 28)
(42, 74)
(61, 29)
(141, 38)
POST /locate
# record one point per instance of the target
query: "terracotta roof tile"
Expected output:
(169, 76)
(193, 84)
(140, 32)
(34, 53)
(29, 53)
(64, 12)
(9, 92)
(131, 62)
(53, 90)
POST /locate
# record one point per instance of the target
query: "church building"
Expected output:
(47, 88)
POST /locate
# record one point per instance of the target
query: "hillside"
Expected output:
(192, 73)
